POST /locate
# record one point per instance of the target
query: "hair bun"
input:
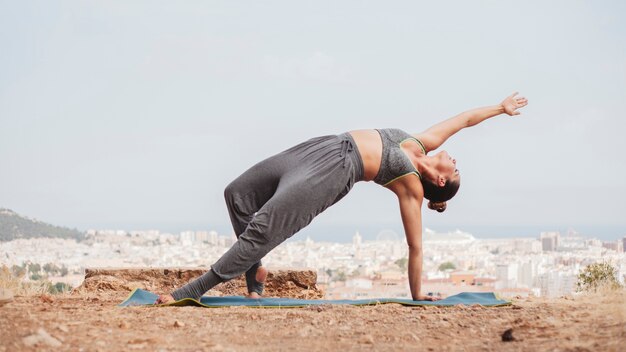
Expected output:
(438, 206)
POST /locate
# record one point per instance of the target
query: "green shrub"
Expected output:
(597, 276)
(447, 266)
(59, 287)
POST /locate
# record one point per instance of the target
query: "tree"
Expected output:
(446, 266)
(402, 263)
(51, 268)
(597, 275)
(34, 268)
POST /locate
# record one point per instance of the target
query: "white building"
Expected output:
(506, 275)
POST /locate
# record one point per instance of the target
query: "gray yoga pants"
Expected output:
(276, 198)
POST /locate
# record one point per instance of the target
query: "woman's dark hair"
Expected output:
(439, 195)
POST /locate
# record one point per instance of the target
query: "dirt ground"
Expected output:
(92, 322)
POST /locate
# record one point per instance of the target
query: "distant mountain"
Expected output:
(14, 226)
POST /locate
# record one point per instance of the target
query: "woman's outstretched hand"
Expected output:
(512, 103)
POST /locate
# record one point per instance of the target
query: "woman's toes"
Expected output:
(164, 299)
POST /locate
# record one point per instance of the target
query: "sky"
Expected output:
(136, 115)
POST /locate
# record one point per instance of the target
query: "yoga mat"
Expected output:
(141, 297)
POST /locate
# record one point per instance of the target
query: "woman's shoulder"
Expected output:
(410, 187)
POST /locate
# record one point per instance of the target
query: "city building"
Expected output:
(549, 241)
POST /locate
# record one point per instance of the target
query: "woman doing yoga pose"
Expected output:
(277, 197)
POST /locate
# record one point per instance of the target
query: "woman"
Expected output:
(280, 195)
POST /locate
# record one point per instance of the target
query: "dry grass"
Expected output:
(609, 301)
(18, 286)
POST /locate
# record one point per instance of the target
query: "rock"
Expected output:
(30, 340)
(63, 328)
(320, 307)
(279, 283)
(217, 347)
(179, 324)
(124, 325)
(138, 343)
(367, 339)
(507, 336)
(46, 298)
(41, 338)
(415, 337)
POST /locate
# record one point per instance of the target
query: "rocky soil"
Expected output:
(91, 321)
(279, 283)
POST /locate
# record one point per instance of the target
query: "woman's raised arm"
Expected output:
(434, 136)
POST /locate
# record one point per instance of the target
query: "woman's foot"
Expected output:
(164, 299)
(261, 276)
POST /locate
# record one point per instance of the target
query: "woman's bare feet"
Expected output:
(164, 299)
(261, 276)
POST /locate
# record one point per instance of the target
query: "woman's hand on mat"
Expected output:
(164, 299)
(512, 103)
(426, 298)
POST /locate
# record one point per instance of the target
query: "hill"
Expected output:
(14, 226)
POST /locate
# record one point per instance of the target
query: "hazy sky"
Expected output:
(118, 114)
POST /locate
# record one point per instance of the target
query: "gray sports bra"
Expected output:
(395, 163)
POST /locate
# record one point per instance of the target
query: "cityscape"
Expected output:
(545, 266)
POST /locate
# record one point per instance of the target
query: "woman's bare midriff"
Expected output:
(371, 149)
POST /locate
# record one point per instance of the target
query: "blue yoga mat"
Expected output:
(141, 297)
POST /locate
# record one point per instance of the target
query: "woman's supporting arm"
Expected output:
(410, 210)
(436, 135)
(416, 260)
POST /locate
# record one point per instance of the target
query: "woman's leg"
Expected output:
(279, 218)
(271, 225)
(310, 177)
(244, 197)
(302, 194)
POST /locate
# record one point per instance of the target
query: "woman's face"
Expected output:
(446, 166)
